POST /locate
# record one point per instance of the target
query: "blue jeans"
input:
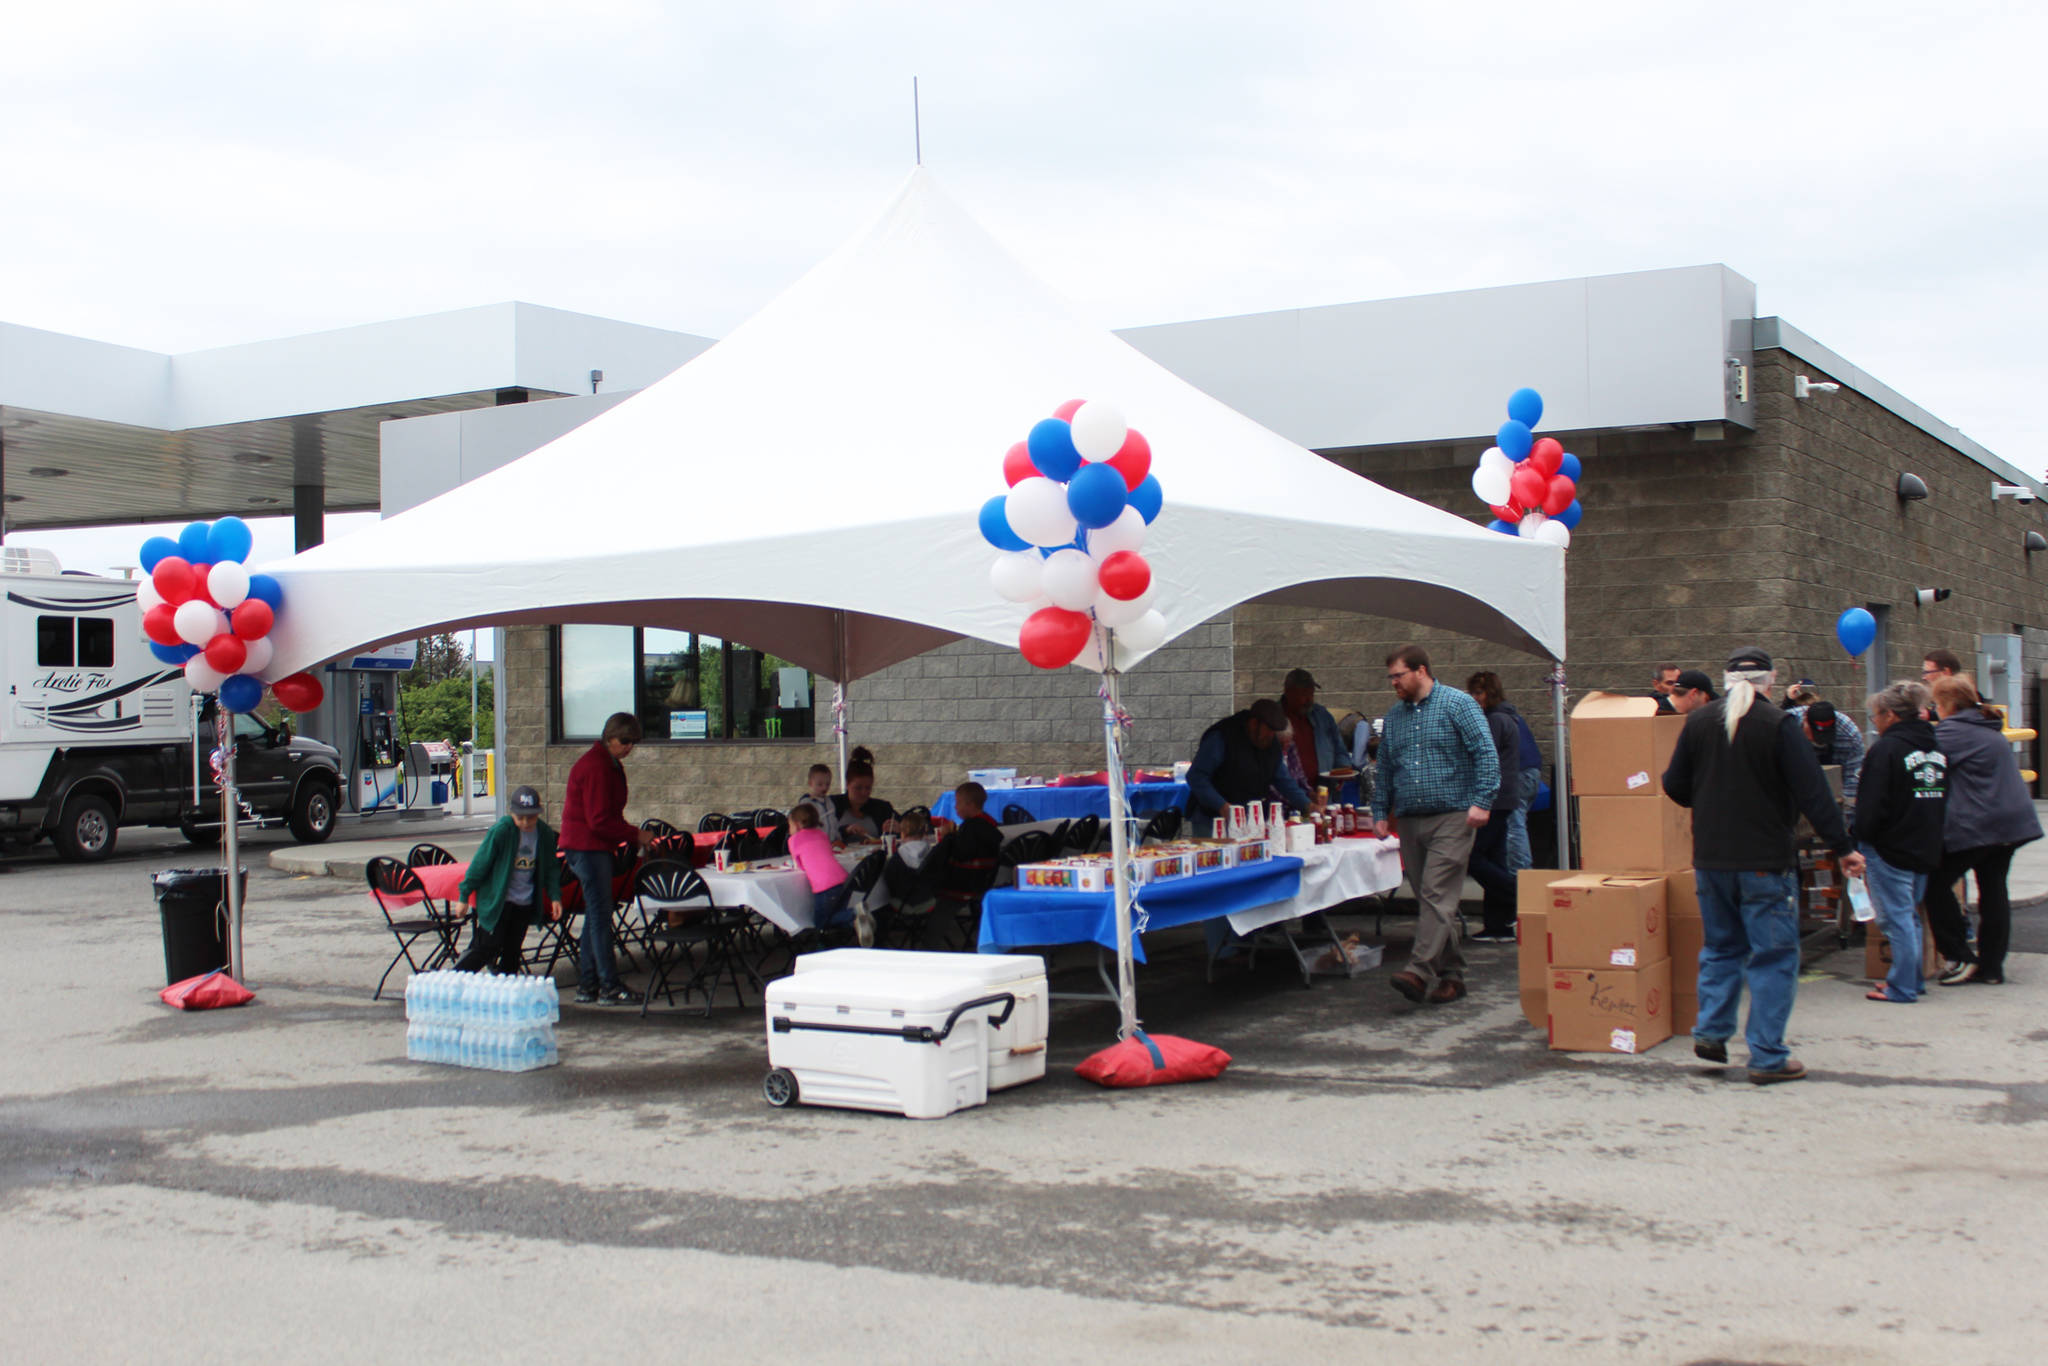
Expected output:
(1519, 856)
(1752, 933)
(828, 908)
(592, 869)
(1894, 894)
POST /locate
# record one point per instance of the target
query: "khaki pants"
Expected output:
(1434, 852)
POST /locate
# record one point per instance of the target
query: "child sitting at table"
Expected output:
(818, 796)
(513, 874)
(813, 856)
(964, 859)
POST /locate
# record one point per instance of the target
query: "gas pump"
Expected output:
(363, 723)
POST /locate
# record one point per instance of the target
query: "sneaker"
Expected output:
(1793, 1070)
(619, 996)
(1711, 1050)
(585, 996)
(1494, 937)
(864, 928)
(1958, 974)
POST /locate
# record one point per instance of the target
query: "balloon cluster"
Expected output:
(1529, 482)
(203, 610)
(1081, 495)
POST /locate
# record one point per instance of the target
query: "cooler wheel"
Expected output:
(779, 1086)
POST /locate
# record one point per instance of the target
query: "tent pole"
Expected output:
(232, 844)
(1119, 849)
(1560, 795)
(839, 702)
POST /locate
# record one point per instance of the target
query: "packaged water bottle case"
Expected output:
(467, 1019)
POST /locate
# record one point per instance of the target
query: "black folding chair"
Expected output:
(426, 855)
(657, 827)
(1033, 846)
(1014, 814)
(712, 820)
(555, 939)
(681, 921)
(919, 810)
(1085, 833)
(775, 843)
(1164, 825)
(390, 880)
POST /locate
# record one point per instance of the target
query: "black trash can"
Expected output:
(193, 903)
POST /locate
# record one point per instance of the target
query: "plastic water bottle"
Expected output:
(1859, 900)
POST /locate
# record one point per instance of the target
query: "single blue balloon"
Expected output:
(1526, 407)
(192, 542)
(1051, 443)
(1096, 495)
(271, 591)
(995, 529)
(1570, 516)
(1569, 467)
(173, 654)
(1856, 629)
(1148, 498)
(1504, 528)
(155, 550)
(230, 540)
(241, 693)
(1514, 439)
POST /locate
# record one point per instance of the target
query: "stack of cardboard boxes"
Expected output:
(1609, 957)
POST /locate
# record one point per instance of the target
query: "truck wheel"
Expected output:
(312, 816)
(85, 833)
(205, 836)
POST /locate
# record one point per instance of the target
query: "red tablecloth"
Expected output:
(442, 880)
(707, 840)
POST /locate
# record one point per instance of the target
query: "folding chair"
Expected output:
(1164, 825)
(397, 888)
(712, 820)
(775, 843)
(1014, 814)
(1085, 834)
(555, 939)
(680, 918)
(426, 855)
(1033, 846)
(657, 827)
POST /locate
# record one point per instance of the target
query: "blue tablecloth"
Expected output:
(1065, 803)
(1018, 919)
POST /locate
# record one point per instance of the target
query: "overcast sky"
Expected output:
(188, 176)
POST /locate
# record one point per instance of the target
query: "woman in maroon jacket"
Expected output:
(593, 825)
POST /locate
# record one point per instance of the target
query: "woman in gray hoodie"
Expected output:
(1990, 814)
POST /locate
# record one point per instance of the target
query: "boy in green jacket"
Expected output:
(513, 872)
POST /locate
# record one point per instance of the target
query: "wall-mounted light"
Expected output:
(1927, 597)
(1912, 488)
(1802, 387)
(2019, 493)
(2036, 541)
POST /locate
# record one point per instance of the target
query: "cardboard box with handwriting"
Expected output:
(1614, 1010)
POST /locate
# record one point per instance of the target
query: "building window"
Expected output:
(684, 687)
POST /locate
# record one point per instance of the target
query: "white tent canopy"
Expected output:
(810, 486)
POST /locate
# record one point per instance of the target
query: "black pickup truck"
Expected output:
(89, 791)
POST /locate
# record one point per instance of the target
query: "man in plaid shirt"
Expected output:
(1438, 774)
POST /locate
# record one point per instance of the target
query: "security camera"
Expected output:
(2019, 493)
(1802, 387)
(1927, 597)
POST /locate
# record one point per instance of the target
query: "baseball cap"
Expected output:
(525, 802)
(1821, 716)
(1696, 680)
(1267, 713)
(1749, 660)
(1299, 678)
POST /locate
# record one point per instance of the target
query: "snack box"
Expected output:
(1253, 851)
(1152, 866)
(1213, 858)
(1065, 875)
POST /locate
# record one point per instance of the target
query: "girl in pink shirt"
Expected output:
(812, 853)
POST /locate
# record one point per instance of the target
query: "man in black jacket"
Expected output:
(1747, 771)
(1237, 761)
(1899, 813)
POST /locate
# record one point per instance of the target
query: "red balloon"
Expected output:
(1051, 639)
(252, 620)
(1125, 575)
(1504, 513)
(1133, 459)
(1526, 487)
(1065, 412)
(1559, 495)
(226, 653)
(1547, 455)
(1017, 464)
(302, 692)
(158, 625)
(174, 579)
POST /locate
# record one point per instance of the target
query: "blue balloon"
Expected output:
(1052, 449)
(1514, 439)
(192, 543)
(995, 528)
(1504, 528)
(1526, 407)
(1569, 467)
(1148, 498)
(1096, 495)
(230, 540)
(241, 693)
(1856, 629)
(1570, 516)
(173, 654)
(155, 550)
(271, 591)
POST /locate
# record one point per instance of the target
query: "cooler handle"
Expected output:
(782, 1024)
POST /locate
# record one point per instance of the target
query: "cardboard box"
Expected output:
(1687, 936)
(1532, 963)
(1877, 952)
(1685, 1012)
(1616, 1010)
(1532, 888)
(1600, 920)
(1621, 746)
(1635, 834)
(1681, 895)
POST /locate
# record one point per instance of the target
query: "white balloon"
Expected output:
(1555, 532)
(198, 622)
(1491, 485)
(227, 583)
(1497, 458)
(259, 657)
(1117, 615)
(1037, 511)
(1127, 532)
(1148, 632)
(1015, 574)
(1099, 431)
(202, 676)
(1531, 524)
(146, 595)
(1069, 579)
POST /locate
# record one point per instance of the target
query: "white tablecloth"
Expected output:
(780, 895)
(1331, 874)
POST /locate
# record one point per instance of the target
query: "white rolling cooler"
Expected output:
(1016, 1049)
(910, 1043)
